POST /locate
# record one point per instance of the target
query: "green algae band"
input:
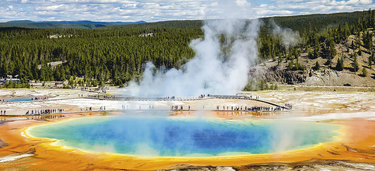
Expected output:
(175, 137)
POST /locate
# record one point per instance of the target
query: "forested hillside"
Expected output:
(341, 55)
(102, 55)
(116, 54)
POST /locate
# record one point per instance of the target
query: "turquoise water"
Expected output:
(166, 136)
(20, 100)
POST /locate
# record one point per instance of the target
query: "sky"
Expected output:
(161, 10)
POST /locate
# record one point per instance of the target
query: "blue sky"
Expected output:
(159, 10)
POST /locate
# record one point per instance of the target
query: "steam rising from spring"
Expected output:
(220, 66)
(289, 37)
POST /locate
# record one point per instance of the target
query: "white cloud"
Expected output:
(156, 10)
(359, 1)
(242, 3)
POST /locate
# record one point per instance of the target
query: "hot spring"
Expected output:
(184, 137)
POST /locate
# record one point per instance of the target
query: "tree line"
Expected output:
(108, 55)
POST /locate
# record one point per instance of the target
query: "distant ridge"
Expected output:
(63, 24)
(295, 22)
(77, 22)
(20, 21)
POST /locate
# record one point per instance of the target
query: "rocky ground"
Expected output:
(327, 75)
(316, 164)
(270, 72)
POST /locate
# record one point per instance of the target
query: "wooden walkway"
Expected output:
(190, 99)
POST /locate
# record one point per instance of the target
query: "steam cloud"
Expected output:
(221, 65)
(289, 37)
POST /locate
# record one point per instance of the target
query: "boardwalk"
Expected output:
(285, 107)
(259, 106)
(249, 98)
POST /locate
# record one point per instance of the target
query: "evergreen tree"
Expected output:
(364, 72)
(317, 66)
(355, 64)
(352, 45)
(261, 85)
(290, 65)
(370, 60)
(340, 64)
(367, 40)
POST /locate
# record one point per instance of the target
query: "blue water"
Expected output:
(163, 136)
(20, 100)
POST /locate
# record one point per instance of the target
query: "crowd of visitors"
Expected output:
(3, 112)
(102, 108)
(44, 117)
(89, 109)
(231, 108)
(44, 111)
(245, 108)
(178, 107)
